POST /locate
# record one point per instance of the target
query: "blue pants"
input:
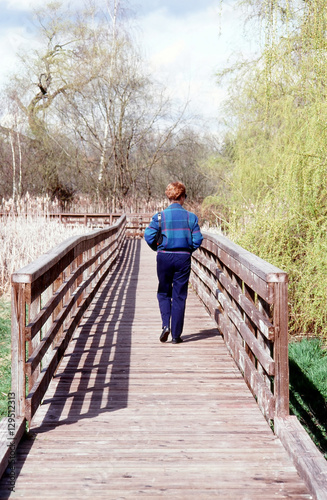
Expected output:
(173, 270)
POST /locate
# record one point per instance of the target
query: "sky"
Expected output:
(185, 43)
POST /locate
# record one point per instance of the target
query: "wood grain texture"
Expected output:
(309, 461)
(10, 436)
(250, 308)
(128, 417)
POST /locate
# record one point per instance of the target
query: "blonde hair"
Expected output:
(175, 190)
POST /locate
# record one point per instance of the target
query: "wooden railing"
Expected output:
(49, 298)
(135, 223)
(247, 297)
(244, 294)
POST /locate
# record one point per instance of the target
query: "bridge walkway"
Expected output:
(127, 417)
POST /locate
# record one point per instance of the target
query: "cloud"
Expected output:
(175, 8)
(186, 52)
(21, 5)
(169, 54)
(11, 42)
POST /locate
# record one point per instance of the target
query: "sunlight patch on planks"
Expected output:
(127, 417)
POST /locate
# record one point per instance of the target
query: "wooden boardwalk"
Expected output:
(127, 417)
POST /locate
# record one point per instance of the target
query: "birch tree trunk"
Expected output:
(113, 17)
(14, 186)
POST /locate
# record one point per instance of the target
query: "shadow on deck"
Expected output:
(127, 417)
(96, 374)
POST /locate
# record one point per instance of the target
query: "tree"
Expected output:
(279, 162)
(98, 123)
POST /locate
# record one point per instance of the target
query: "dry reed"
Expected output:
(44, 205)
(23, 239)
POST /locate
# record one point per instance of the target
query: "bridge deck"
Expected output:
(127, 417)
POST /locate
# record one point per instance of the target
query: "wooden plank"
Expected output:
(10, 436)
(210, 303)
(18, 356)
(261, 321)
(264, 270)
(36, 324)
(45, 279)
(252, 377)
(36, 394)
(256, 282)
(38, 353)
(263, 357)
(281, 350)
(250, 295)
(128, 416)
(309, 462)
(33, 311)
(252, 342)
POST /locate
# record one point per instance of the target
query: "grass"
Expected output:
(308, 388)
(5, 356)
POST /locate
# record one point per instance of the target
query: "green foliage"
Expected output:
(279, 167)
(308, 388)
(5, 356)
(311, 356)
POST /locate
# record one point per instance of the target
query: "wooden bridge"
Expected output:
(112, 413)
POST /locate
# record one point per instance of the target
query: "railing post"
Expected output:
(249, 293)
(34, 309)
(79, 280)
(281, 385)
(55, 286)
(18, 349)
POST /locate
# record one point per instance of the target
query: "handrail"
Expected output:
(247, 297)
(49, 297)
(135, 222)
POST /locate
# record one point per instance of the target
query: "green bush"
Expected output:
(298, 247)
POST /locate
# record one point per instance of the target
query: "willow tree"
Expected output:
(279, 166)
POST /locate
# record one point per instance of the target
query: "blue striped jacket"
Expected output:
(180, 230)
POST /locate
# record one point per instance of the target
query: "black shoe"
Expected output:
(164, 334)
(177, 341)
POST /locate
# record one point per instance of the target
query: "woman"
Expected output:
(181, 236)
